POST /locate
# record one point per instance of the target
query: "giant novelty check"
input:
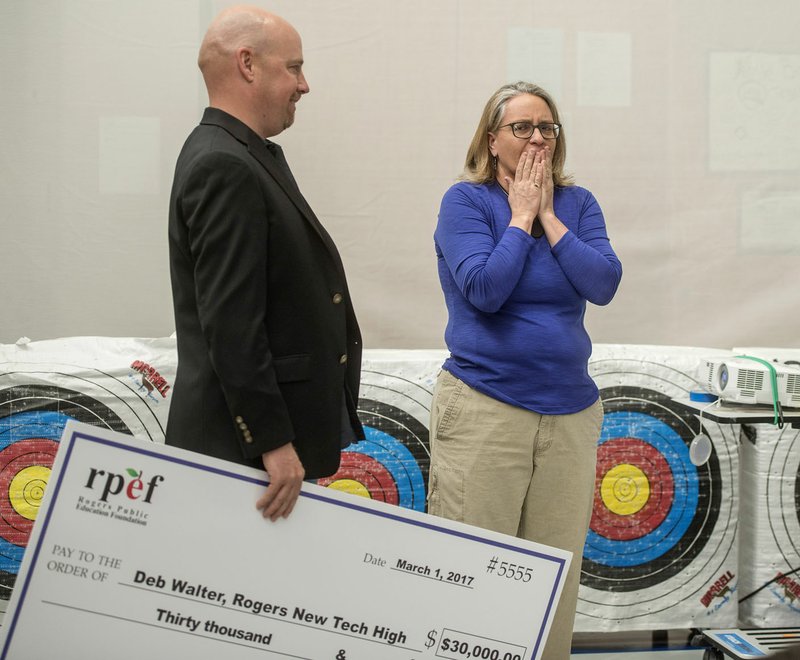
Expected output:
(147, 551)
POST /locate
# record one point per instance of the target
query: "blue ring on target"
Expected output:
(400, 463)
(21, 426)
(686, 491)
(15, 428)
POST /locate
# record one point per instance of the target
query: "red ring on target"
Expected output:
(648, 461)
(14, 459)
(367, 471)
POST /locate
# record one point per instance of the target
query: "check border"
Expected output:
(76, 435)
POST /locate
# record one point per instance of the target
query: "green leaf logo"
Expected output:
(133, 473)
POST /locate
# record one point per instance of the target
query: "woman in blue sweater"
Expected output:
(516, 418)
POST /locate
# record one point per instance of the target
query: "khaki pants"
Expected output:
(514, 471)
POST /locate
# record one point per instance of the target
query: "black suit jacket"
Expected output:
(269, 349)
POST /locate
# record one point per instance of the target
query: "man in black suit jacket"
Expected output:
(269, 349)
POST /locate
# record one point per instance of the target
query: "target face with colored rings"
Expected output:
(653, 509)
(635, 486)
(32, 419)
(662, 530)
(386, 466)
(648, 491)
(28, 445)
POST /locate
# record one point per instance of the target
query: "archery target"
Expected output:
(28, 445)
(662, 529)
(654, 511)
(36, 401)
(770, 508)
(771, 540)
(95, 397)
(391, 464)
(783, 496)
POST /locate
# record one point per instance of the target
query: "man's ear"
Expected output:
(244, 62)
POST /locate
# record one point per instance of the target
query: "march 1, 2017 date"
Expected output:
(454, 577)
(425, 570)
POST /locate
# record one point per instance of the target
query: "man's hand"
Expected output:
(286, 474)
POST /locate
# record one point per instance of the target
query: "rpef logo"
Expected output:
(114, 484)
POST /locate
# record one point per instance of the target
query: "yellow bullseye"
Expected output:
(625, 489)
(351, 486)
(26, 490)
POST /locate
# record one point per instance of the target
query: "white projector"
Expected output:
(749, 381)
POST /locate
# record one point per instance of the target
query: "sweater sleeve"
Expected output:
(587, 258)
(485, 270)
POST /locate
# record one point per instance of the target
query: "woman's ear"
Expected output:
(492, 149)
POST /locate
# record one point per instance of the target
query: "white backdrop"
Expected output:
(680, 116)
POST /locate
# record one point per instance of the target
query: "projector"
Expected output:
(745, 380)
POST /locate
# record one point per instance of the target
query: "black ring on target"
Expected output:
(676, 554)
(404, 428)
(19, 404)
(797, 494)
(78, 406)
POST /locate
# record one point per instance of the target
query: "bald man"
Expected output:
(269, 349)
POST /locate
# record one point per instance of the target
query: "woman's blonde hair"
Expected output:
(480, 164)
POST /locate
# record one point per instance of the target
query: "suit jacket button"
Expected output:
(337, 298)
(238, 419)
(248, 439)
(343, 359)
(243, 426)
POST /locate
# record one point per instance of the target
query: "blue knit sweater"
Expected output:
(515, 330)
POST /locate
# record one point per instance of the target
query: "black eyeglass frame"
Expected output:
(556, 128)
